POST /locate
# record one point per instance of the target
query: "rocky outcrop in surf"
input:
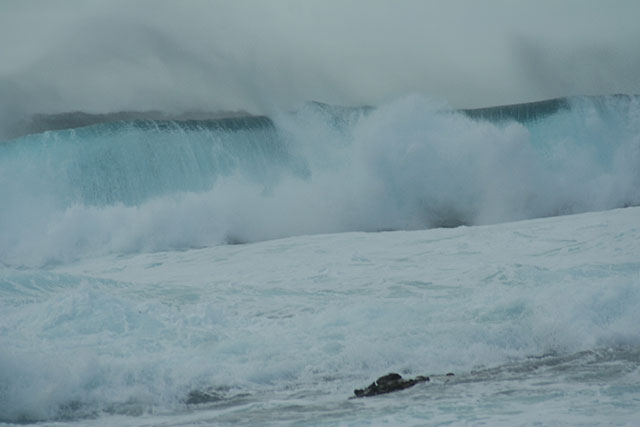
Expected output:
(389, 383)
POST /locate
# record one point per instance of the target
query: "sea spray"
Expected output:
(146, 186)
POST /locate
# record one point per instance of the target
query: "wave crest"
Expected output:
(145, 186)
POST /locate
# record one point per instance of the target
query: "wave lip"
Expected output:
(521, 112)
(38, 123)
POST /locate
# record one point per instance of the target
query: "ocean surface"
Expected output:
(275, 264)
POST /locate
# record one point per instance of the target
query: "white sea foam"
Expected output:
(311, 318)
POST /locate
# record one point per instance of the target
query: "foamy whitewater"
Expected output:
(278, 263)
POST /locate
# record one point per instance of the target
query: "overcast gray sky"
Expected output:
(103, 56)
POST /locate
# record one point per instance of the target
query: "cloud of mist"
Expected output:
(101, 56)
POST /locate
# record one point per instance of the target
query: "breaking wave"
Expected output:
(148, 185)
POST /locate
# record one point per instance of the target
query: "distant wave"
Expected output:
(145, 183)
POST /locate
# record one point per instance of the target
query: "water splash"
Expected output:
(137, 185)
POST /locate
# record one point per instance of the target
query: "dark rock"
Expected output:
(389, 383)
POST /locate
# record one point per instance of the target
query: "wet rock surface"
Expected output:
(389, 383)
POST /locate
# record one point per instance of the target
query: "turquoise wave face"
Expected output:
(130, 162)
(153, 185)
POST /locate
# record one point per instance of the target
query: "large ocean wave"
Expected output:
(149, 185)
